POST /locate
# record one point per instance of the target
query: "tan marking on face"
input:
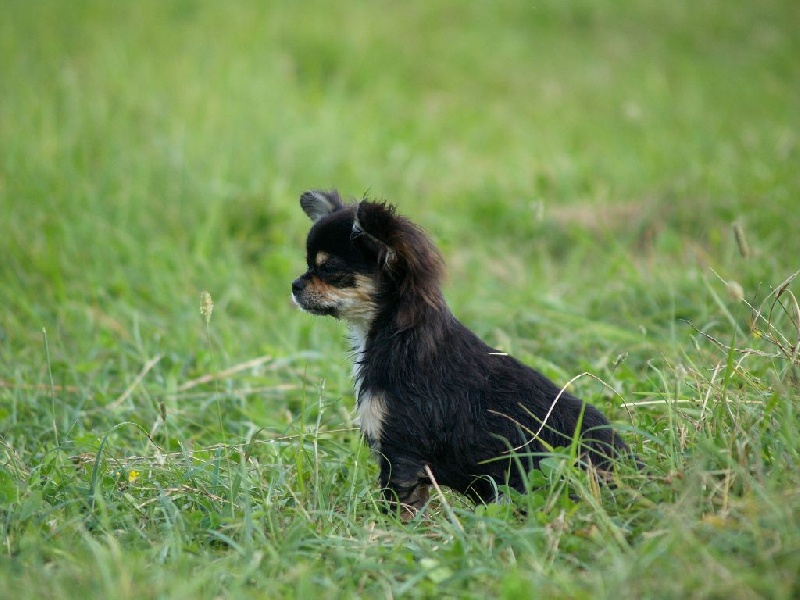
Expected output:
(354, 304)
(359, 302)
(321, 258)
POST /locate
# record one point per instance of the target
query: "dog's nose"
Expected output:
(298, 285)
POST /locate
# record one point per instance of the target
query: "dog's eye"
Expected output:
(327, 268)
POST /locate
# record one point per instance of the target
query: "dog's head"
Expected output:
(364, 261)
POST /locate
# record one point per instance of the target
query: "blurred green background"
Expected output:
(580, 163)
(589, 156)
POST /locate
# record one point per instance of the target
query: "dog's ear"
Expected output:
(406, 256)
(318, 203)
(376, 224)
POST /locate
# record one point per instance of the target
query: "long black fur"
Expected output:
(471, 415)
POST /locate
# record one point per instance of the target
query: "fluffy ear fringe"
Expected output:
(320, 203)
(410, 258)
(376, 222)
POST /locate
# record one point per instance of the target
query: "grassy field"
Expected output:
(584, 167)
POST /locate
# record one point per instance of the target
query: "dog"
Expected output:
(435, 403)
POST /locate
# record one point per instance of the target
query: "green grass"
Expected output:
(581, 165)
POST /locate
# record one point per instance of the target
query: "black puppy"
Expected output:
(431, 396)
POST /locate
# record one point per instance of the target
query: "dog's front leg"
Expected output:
(405, 488)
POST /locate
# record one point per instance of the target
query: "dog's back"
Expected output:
(472, 414)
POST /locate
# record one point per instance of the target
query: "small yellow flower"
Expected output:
(133, 476)
(735, 291)
(206, 306)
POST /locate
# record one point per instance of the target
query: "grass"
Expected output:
(582, 166)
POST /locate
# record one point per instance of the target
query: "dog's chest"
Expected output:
(370, 404)
(371, 409)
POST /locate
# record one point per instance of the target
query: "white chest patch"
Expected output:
(370, 405)
(371, 413)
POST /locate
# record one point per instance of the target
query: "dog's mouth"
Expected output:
(352, 304)
(315, 309)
